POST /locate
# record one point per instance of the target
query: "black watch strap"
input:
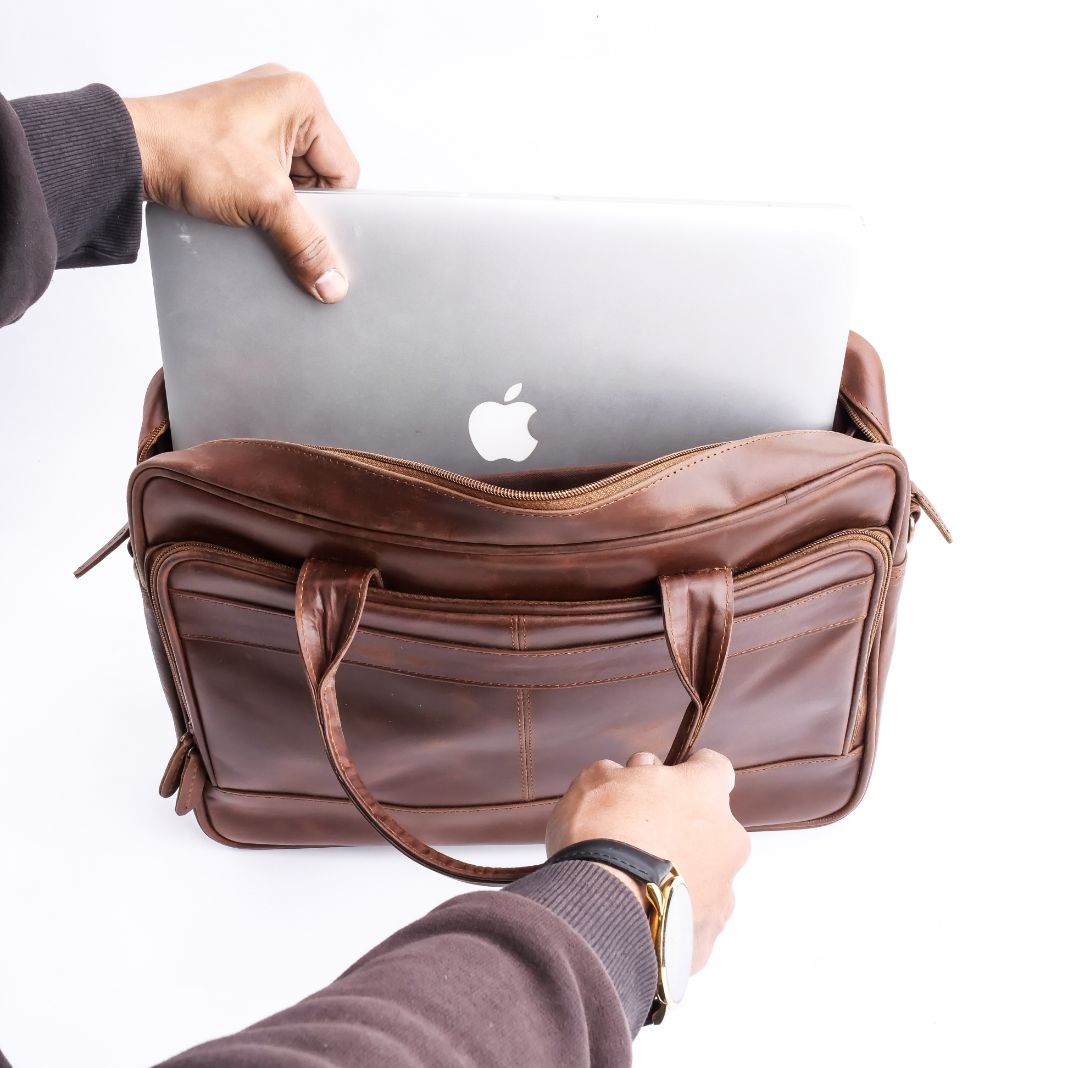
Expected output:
(634, 861)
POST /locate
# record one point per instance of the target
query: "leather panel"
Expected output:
(809, 791)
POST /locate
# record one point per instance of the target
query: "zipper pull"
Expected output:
(931, 512)
(172, 774)
(105, 550)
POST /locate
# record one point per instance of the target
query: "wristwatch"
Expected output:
(669, 909)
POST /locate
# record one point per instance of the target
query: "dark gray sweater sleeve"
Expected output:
(556, 970)
(70, 189)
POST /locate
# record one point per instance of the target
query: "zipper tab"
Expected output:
(172, 774)
(931, 512)
(105, 550)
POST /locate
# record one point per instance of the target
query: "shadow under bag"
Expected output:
(352, 644)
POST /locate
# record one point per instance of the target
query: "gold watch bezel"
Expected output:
(659, 898)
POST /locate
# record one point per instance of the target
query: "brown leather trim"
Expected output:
(104, 551)
(698, 612)
(192, 783)
(172, 774)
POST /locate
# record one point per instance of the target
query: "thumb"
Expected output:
(307, 251)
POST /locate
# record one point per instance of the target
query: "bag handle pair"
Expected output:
(330, 599)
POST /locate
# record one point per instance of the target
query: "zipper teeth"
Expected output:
(490, 490)
(507, 492)
(156, 434)
(866, 429)
(852, 534)
(869, 432)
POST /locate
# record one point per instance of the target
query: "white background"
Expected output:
(927, 927)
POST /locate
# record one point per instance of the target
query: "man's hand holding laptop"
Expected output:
(233, 152)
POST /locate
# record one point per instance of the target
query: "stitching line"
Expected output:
(669, 632)
(804, 600)
(423, 675)
(628, 606)
(526, 699)
(717, 668)
(800, 634)
(797, 763)
(513, 626)
(513, 806)
(527, 653)
(511, 685)
(187, 787)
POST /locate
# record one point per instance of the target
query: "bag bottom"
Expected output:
(792, 793)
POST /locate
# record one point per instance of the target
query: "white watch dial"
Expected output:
(678, 941)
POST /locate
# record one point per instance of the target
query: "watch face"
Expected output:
(678, 941)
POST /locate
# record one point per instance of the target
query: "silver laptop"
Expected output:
(492, 333)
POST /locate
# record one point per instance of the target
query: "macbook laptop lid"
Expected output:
(494, 333)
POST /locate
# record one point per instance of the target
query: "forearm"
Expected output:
(70, 190)
(88, 166)
(27, 242)
(558, 969)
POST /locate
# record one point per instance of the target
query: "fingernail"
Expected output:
(642, 758)
(331, 286)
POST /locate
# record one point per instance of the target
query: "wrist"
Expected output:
(628, 881)
(141, 116)
(583, 895)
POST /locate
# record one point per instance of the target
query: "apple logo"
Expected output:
(499, 431)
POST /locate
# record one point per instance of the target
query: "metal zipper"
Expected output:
(488, 489)
(156, 434)
(868, 431)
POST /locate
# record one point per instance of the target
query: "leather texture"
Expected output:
(330, 601)
(470, 645)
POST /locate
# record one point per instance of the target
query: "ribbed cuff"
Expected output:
(607, 915)
(85, 152)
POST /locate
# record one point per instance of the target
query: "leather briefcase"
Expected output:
(470, 645)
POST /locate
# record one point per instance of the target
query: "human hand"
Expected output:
(681, 813)
(232, 152)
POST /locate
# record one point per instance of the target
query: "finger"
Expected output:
(643, 759)
(263, 70)
(709, 759)
(597, 772)
(604, 765)
(326, 154)
(307, 251)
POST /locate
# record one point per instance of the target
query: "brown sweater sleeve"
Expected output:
(556, 970)
(70, 189)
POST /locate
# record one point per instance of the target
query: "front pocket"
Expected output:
(454, 702)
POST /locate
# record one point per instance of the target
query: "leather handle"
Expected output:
(698, 614)
(330, 600)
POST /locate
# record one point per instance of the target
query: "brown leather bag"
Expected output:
(352, 644)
